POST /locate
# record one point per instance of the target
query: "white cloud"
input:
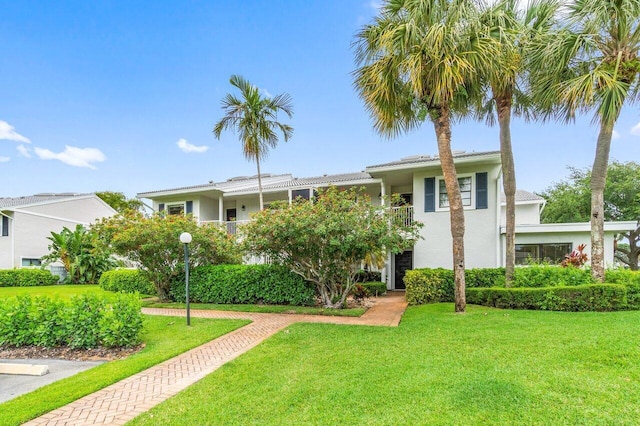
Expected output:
(4, 159)
(187, 147)
(8, 133)
(24, 151)
(615, 134)
(635, 130)
(73, 156)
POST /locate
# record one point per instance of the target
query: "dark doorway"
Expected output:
(231, 214)
(403, 263)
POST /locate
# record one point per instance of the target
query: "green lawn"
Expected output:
(485, 367)
(277, 309)
(64, 292)
(165, 337)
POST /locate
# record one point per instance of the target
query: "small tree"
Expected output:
(154, 243)
(325, 240)
(119, 202)
(78, 251)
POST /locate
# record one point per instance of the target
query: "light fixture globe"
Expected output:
(185, 238)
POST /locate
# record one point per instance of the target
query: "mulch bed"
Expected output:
(66, 353)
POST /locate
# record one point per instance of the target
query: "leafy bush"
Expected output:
(589, 297)
(375, 288)
(631, 279)
(26, 277)
(270, 284)
(550, 276)
(127, 281)
(84, 322)
(428, 285)
(363, 276)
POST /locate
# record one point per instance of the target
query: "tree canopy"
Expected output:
(327, 239)
(119, 202)
(570, 201)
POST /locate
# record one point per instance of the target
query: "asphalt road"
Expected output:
(12, 386)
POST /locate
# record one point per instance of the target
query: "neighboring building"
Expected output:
(419, 180)
(26, 222)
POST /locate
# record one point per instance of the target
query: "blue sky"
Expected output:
(99, 95)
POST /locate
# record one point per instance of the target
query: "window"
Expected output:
(30, 262)
(5, 226)
(176, 209)
(550, 252)
(300, 193)
(465, 192)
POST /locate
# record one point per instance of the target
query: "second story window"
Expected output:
(465, 192)
(175, 209)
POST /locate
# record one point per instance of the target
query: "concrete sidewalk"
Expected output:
(124, 400)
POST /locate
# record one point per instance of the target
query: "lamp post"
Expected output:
(185, 238)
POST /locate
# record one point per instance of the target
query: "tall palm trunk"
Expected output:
(259, 183)
(598, 180)
(442, 126)
(509, 182)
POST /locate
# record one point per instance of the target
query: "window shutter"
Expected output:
(430, 194)
(189, 207)
(482, 199)
(161, 207)
(5, 226)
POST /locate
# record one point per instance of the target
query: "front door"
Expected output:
(403, 263)
(231, 215)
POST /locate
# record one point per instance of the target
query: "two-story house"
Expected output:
(419, 180)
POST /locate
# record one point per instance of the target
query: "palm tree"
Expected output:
(419, 59)
(592, 64)
(256, 120)
(504, 94)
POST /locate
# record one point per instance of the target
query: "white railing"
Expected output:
(405, 213)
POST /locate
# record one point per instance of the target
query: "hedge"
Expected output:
(126, 281)
(375, 288)
(26, 277)
(270, 284)
(579, 298)
(86, 321)
(631, 279)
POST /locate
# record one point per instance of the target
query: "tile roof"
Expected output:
(319, 181)
(423, 158)
(34, 199)
(522, 195)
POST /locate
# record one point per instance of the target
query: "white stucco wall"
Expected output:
(481, 226)
(526, 214)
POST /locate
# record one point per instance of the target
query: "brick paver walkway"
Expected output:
(124, 400)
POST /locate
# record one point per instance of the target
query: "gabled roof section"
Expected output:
(524, 197)
(9, 202)
(415, 161)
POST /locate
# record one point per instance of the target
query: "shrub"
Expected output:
(631, 279)
(549, 276)
(428, 285)
(363, 276)
(375, 288)
(359, 292)
(589, 297)
(84, 322)
(26, 277)
(126, 281)
(270, 284)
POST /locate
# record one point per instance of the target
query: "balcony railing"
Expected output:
(405, 213)
(231, 226)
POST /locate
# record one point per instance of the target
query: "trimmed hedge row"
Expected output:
(270, 284)
(375, 288)
(579, 298)
(556, 288)
(26, 277)
(86, 321)
(126, 281)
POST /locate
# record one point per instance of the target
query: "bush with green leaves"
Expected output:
(629, 278)
(26, 277)
(375, 288)
(78, 251)
(127, 281)
(327, 239)
(154, 244)
(86, 321)
(579, 298)
(270, 284)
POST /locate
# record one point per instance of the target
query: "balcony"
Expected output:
(405, 213)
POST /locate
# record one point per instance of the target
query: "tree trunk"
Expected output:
(598, 180)
(442, 126)
(509, 183)
(259, 183)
